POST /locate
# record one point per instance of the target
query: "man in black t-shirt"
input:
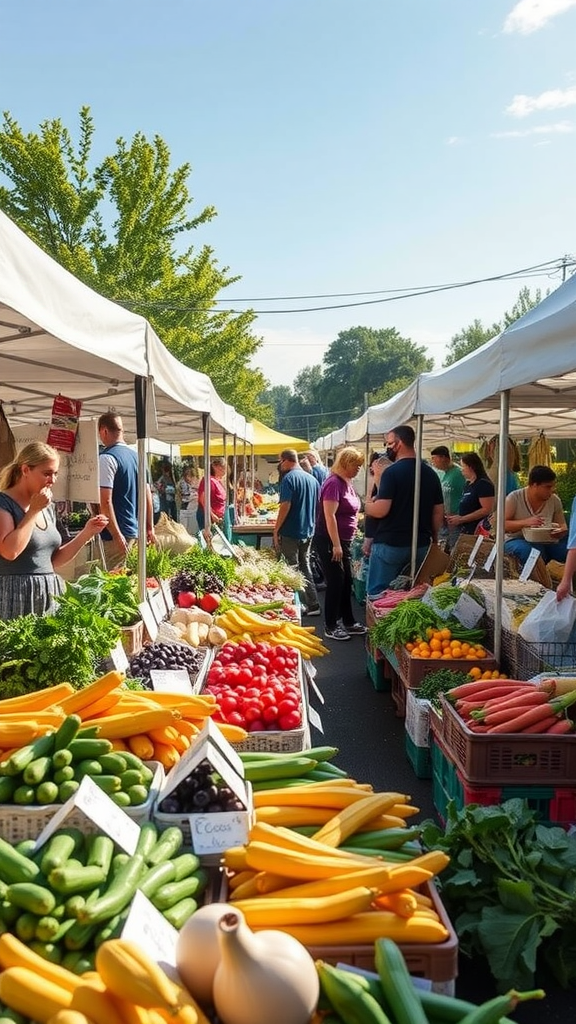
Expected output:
(393, 507)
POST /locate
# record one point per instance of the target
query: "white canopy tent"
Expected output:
(59, 336)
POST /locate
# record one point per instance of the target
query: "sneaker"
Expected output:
(312, 611)
(357, 629)
(338, 633)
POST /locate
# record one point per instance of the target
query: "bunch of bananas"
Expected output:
(539, 452)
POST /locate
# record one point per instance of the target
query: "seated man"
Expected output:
(533, 506)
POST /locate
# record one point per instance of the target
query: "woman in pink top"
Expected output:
(217, 493)
(338, 509)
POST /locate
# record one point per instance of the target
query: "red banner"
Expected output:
(64, 423)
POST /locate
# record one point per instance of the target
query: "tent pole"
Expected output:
(500, 502)
(207, 508)
(417, 488)
(140, 395)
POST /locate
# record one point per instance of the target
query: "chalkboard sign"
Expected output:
(78, 478)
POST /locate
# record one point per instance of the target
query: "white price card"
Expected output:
(119, 658)
(97, 806)
(218, 831)
(167, 595)
(157, 604)
(315, 719)
(468, 611)
(171, 681)
(529, 564)
(490, 560)
(148, 619)
(475, 550)
(151, 931)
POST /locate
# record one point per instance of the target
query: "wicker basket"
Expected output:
(132, 638)
(17, 823)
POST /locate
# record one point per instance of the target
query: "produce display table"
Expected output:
(255, 528)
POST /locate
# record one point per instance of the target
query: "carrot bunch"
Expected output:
(512, 706)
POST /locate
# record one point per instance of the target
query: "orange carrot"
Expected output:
(560, 726)
(481, 686)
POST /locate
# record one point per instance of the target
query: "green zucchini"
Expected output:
(20, 759)
(46, 793)
(108, 783)
(67, 789)
(88, 766)
(74, 904)
(35, 772)
(83, 749)
(114, 763)
(119, 893)
(14, 867)
(147, 839)
(84, 964)
(180, 912)
(168, 844)
(61, 759)
(157, 876)
(24, 796)
(119, 860)
(25, 926)
(262, 771)
(131, 777)
(168, 895)
(112, 929)
(397, 988)
(120, 799)
(69, 880)
(100, 853)
(9, 914)
(184, 865)
(27, 847)
(137, 795)
(7, 787)
(67, 732)
(47, 929)
(63, 774)
(36, 899)
(50, 951)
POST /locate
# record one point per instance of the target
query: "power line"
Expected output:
(391, 295)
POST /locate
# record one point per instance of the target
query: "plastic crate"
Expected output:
(506, 759)
(376, 667)
(415, 670)
(419, 758)
(554, 806)
(398, 692)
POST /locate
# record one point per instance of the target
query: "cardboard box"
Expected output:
(210, 833)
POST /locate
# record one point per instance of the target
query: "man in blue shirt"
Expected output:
(295, 523)
(118, 468)
(319, 471)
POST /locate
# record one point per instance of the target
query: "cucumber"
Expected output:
(133, 761)
(100, 853)
(25, 927)
(184, 865)
(112, 929)
(59, 848)
(148, 839)
(69, 880)
(88, 766)
(157, 876)
(47, 929)
(3, 890)
(131, 777)
(61, 759)
(70, 959)
(14, 867)
(168, 895)
(46, 793)
(258, 771)
(108, 783)
(74, 904)
(47, 950)
(63, 774)
(9, 914)
(67, 789)
(84, 964)
(88, 749)
(67, 732)
(147, 774)
(113, 764)
(7, 787)
(24, 795)
(119, 893)
(20, 759)
(168, 844)
(79, 935)
(137, 795)
(180, 912)
(120, 799)
(35, 772)
(26, 847)
(36, 899)
(119, 861)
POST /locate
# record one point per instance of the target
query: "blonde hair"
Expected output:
(346, 459)
(34, 454)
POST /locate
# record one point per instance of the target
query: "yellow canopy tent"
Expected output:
(266, 442)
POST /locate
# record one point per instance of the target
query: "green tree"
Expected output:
(132, 254)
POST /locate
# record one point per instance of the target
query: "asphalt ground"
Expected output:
(362, 723)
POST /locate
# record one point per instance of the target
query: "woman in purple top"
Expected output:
(335, 527)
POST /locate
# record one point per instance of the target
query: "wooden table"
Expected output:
(253, 529)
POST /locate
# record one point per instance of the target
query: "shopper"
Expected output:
(187, 488)
(294, 527)
(393, 506)
(453, 483)
(378, 464)
(533, 506)
(477, 501)
(564, 588)
(166, 487)
(318, 468)
(218, 495)
(31, 548)
(335, 527)
(118, 467)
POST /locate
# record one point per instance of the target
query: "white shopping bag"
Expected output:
(551, 621)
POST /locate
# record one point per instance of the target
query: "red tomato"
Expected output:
(256, 726)
(252, 712)
(228, 704)
(292, 720)
(270, 713)
(285, 707)
(235, 718)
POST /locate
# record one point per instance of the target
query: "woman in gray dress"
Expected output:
(31, 549)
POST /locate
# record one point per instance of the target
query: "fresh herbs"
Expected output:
(439, 682)
(510, 890)
(42, 650)
(159, 561)
(111, 595)
(406, 621)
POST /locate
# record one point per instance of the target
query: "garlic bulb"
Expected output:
(265, 977)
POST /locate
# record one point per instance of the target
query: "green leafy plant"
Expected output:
(510, 890)
(111, 595)
(159, 562)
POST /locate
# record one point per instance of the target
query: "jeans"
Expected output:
(338, 576)
(387, 562)
(297, 553)
(521, 548)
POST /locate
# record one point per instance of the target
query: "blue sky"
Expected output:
(347, 147)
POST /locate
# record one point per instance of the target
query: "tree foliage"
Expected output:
(122, 228)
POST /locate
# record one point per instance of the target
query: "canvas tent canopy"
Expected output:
(265, 441)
